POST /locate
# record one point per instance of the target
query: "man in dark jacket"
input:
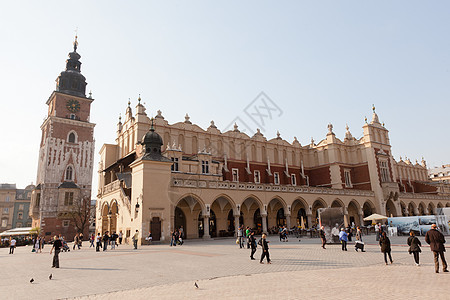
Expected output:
(436, 241)
(253, 245)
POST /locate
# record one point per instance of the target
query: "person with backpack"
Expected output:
(343, 237)
(265, 249)
(414, 246)
(253, 244)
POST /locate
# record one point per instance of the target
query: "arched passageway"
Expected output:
(353, 214)
(299, 215)
(319, 203)
(275, 215)
(186, 214)
(390, 209)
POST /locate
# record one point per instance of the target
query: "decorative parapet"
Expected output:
(423, 196)
(111, 187)
(115, 186)
(226, 185)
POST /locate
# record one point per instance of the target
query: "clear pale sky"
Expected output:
(319, 61)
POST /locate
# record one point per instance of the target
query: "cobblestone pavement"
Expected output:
(223, 270)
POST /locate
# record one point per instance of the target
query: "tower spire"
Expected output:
(75, 43)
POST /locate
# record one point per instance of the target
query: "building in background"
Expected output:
(22, 201)
(7, 197)
(66, 155)
(158, 177)
(440, 174)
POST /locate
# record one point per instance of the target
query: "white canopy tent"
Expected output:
(16, 231)
(375, 217)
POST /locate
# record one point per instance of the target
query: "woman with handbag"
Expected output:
(414, 246)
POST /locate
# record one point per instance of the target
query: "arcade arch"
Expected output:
(299, 215)
(390, 209)
(187, 214)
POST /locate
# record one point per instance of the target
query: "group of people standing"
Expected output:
(105, 240)
(177, 237)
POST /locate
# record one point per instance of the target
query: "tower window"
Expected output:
(384, 170)
(71, 137)
(69, 173)
(348, 178)
(68, 198)
(293, 180)
(73, 116)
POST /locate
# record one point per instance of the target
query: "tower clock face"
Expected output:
(73, 105)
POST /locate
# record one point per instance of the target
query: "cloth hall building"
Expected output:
(159, 176)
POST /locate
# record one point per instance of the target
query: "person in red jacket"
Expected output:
(437, 241)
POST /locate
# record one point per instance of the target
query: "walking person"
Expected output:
(322, 236)
(37, 244)
(98, 242)
(76, 241)
(92, 240)
(359, 244)
(241, 237)
(414, 246)
(12, 245)
(436, 241)
(265, 249)
(253, 244)
(120, 237)
(385, 245)
(135, 239)
(343, 237)
(57, 244)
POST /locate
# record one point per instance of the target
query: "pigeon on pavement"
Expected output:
(50, 277)
(196, 285)
(31, 280)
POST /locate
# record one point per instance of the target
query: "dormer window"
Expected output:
(235, 173)
(205, 167)
(276, 178)
(257, 176)
(174, 166)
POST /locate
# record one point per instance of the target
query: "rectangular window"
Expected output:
(384, 170)
(68, 199)
(205, 167)
(257, 176)
(4, 222)
(235, 173)
(293, 180)
(7, 199)
(174, 166)
(6, 210)
(20, 206)
(38, 199)
(348, 178)
(276, 178)
(65, 223)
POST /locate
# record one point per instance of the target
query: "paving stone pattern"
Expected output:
(223, 270)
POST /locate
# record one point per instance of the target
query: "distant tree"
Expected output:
(80, 213)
